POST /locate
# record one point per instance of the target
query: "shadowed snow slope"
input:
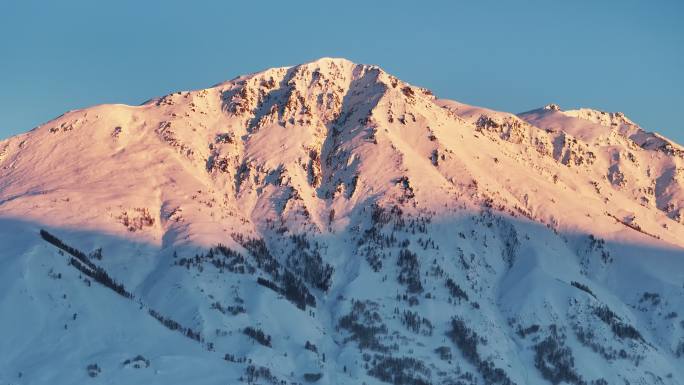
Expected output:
(331, 223)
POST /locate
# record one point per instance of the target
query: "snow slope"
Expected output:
(329, 223)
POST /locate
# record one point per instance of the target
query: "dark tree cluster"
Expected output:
(554, 360)
(137, 223)
(400, 370)
(583, 287)
(138, 362)
(258, 335)
(633, 226)
(100, 275)
(599, 245)
(510, 240)
(444, 353)
(231, 358)
(587, 338)
(381, 216)
(288, 284)
(269, 284)
(467, 341)
(428, 243)
(257, 247)
(81, 262)
(619, 328)
(71, 250)
(365, 324)
(296, 291)
(375, 240)
(305, 259)
(415, 323)
(231, 309)
(409, 271)
(256, 374)
(372, 244)
(309, 346)
(523, 333)
(418, 224)
(173, 325)
(653, 298)
(54, 275)
(436, 270)
(93, 370)
(509, 235)
(623, 330)
(97, 254)
(455, 290)
(221, 257)
(679, 351)
(312, 377)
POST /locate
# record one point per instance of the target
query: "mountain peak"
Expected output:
(330, 223)
(329, 60)
(600, 117)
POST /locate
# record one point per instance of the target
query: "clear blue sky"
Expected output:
(622, 55)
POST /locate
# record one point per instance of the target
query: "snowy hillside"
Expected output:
(329, 223)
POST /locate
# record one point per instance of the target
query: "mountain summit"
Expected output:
(329, 223)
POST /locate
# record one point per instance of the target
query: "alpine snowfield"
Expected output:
(329, 223)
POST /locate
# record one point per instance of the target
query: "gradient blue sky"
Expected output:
(515, 56)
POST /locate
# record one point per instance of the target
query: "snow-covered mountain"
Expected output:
(329, 223)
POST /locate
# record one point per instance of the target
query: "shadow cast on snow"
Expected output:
(131, 268)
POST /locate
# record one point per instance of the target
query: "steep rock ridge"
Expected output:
(646, 163)
(330, 223)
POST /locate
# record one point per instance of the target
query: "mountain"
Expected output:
(329, 223)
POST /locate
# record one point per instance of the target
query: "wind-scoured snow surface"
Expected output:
(329, 223)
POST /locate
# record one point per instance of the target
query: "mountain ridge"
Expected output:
(330, 223)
